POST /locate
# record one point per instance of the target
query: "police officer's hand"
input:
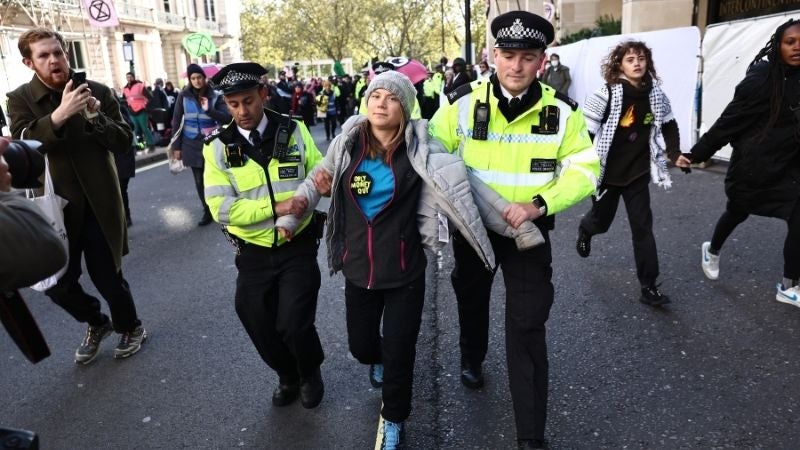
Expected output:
(322, 182)
(294, 205)
(518, 213)
(683, 162)
(73, 101)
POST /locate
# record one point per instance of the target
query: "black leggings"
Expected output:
(791, 246)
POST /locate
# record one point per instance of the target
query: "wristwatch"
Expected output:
(538, 202)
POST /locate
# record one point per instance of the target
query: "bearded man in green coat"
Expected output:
(79, 126)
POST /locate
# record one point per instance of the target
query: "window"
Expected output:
(75, 50)
(167, 6)
(210, 12)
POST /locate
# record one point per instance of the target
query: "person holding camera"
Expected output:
(79, 127)
(252, 168)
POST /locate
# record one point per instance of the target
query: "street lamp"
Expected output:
(127, 49)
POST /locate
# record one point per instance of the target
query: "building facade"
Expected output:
(156, 26)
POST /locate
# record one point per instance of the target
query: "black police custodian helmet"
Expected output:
(382, 66)
(238, 77)
(522, 30)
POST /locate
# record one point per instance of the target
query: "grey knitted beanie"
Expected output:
(399, 85)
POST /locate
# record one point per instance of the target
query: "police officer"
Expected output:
(252, 168)
(530, 144)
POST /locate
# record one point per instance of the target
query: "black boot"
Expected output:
(584, 244)
(285, 393)
(206, 219)
(311, 390)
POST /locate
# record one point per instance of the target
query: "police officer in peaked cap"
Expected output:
(515, 133)
(253, 166)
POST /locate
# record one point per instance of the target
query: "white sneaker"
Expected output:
(790, 296)
(709, 262)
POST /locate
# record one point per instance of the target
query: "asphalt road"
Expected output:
(718, 368)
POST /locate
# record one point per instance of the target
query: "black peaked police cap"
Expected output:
(522, 30)
(238, 77)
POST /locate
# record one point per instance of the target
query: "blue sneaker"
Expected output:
(392, 435)
(790, 295)
(376, 375)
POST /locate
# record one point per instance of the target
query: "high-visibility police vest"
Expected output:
(517, 160)
(416, 113)
(195, 120)
(429, 88)
(239, 197)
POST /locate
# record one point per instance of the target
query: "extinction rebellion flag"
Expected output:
(101, 13)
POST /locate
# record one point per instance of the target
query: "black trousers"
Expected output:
(198, 184)
(68, 293)
(791, 246)
(276, 301)
(330, 126)
(637, 202)
(401, 309)
(529, 296)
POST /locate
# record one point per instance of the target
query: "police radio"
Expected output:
(480, 125)
(281, 142)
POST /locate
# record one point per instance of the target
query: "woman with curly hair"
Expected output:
(762, 124)
(626, 118)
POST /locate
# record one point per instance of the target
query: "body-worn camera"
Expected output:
(25, 163)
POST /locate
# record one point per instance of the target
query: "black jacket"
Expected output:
(386, 252)
(764, 171)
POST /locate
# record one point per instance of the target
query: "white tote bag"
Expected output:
(52, 207)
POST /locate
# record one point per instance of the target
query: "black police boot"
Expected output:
(584, 244)
(471, 375)
(285, 393)
(311, 390)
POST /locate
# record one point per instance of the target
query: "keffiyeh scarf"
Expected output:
(610, 96)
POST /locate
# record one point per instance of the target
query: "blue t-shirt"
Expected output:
(372, 185)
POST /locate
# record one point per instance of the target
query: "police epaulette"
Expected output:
(565, 98)
(214, 134)
(459, 92)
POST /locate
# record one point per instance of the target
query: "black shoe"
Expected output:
(584, 244)
(525, 444)
(285, 393)
(207, 219)
(471, 376)
(311, 390)
(651, 296)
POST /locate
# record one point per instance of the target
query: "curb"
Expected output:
(160, 154)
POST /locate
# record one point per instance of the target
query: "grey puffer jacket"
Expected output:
(467, 202)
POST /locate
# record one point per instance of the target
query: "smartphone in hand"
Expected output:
(78, 78)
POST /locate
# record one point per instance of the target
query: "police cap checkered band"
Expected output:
(521, 29)
(238, 77)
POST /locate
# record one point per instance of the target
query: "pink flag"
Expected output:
(102, 13)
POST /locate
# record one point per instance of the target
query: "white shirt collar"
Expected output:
(508, 95)
(261, 127)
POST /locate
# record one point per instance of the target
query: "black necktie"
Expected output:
(255, 138)
(514, 103)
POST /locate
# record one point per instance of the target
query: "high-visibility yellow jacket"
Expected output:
(243, 198)
(415, 114)
(517, 160)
